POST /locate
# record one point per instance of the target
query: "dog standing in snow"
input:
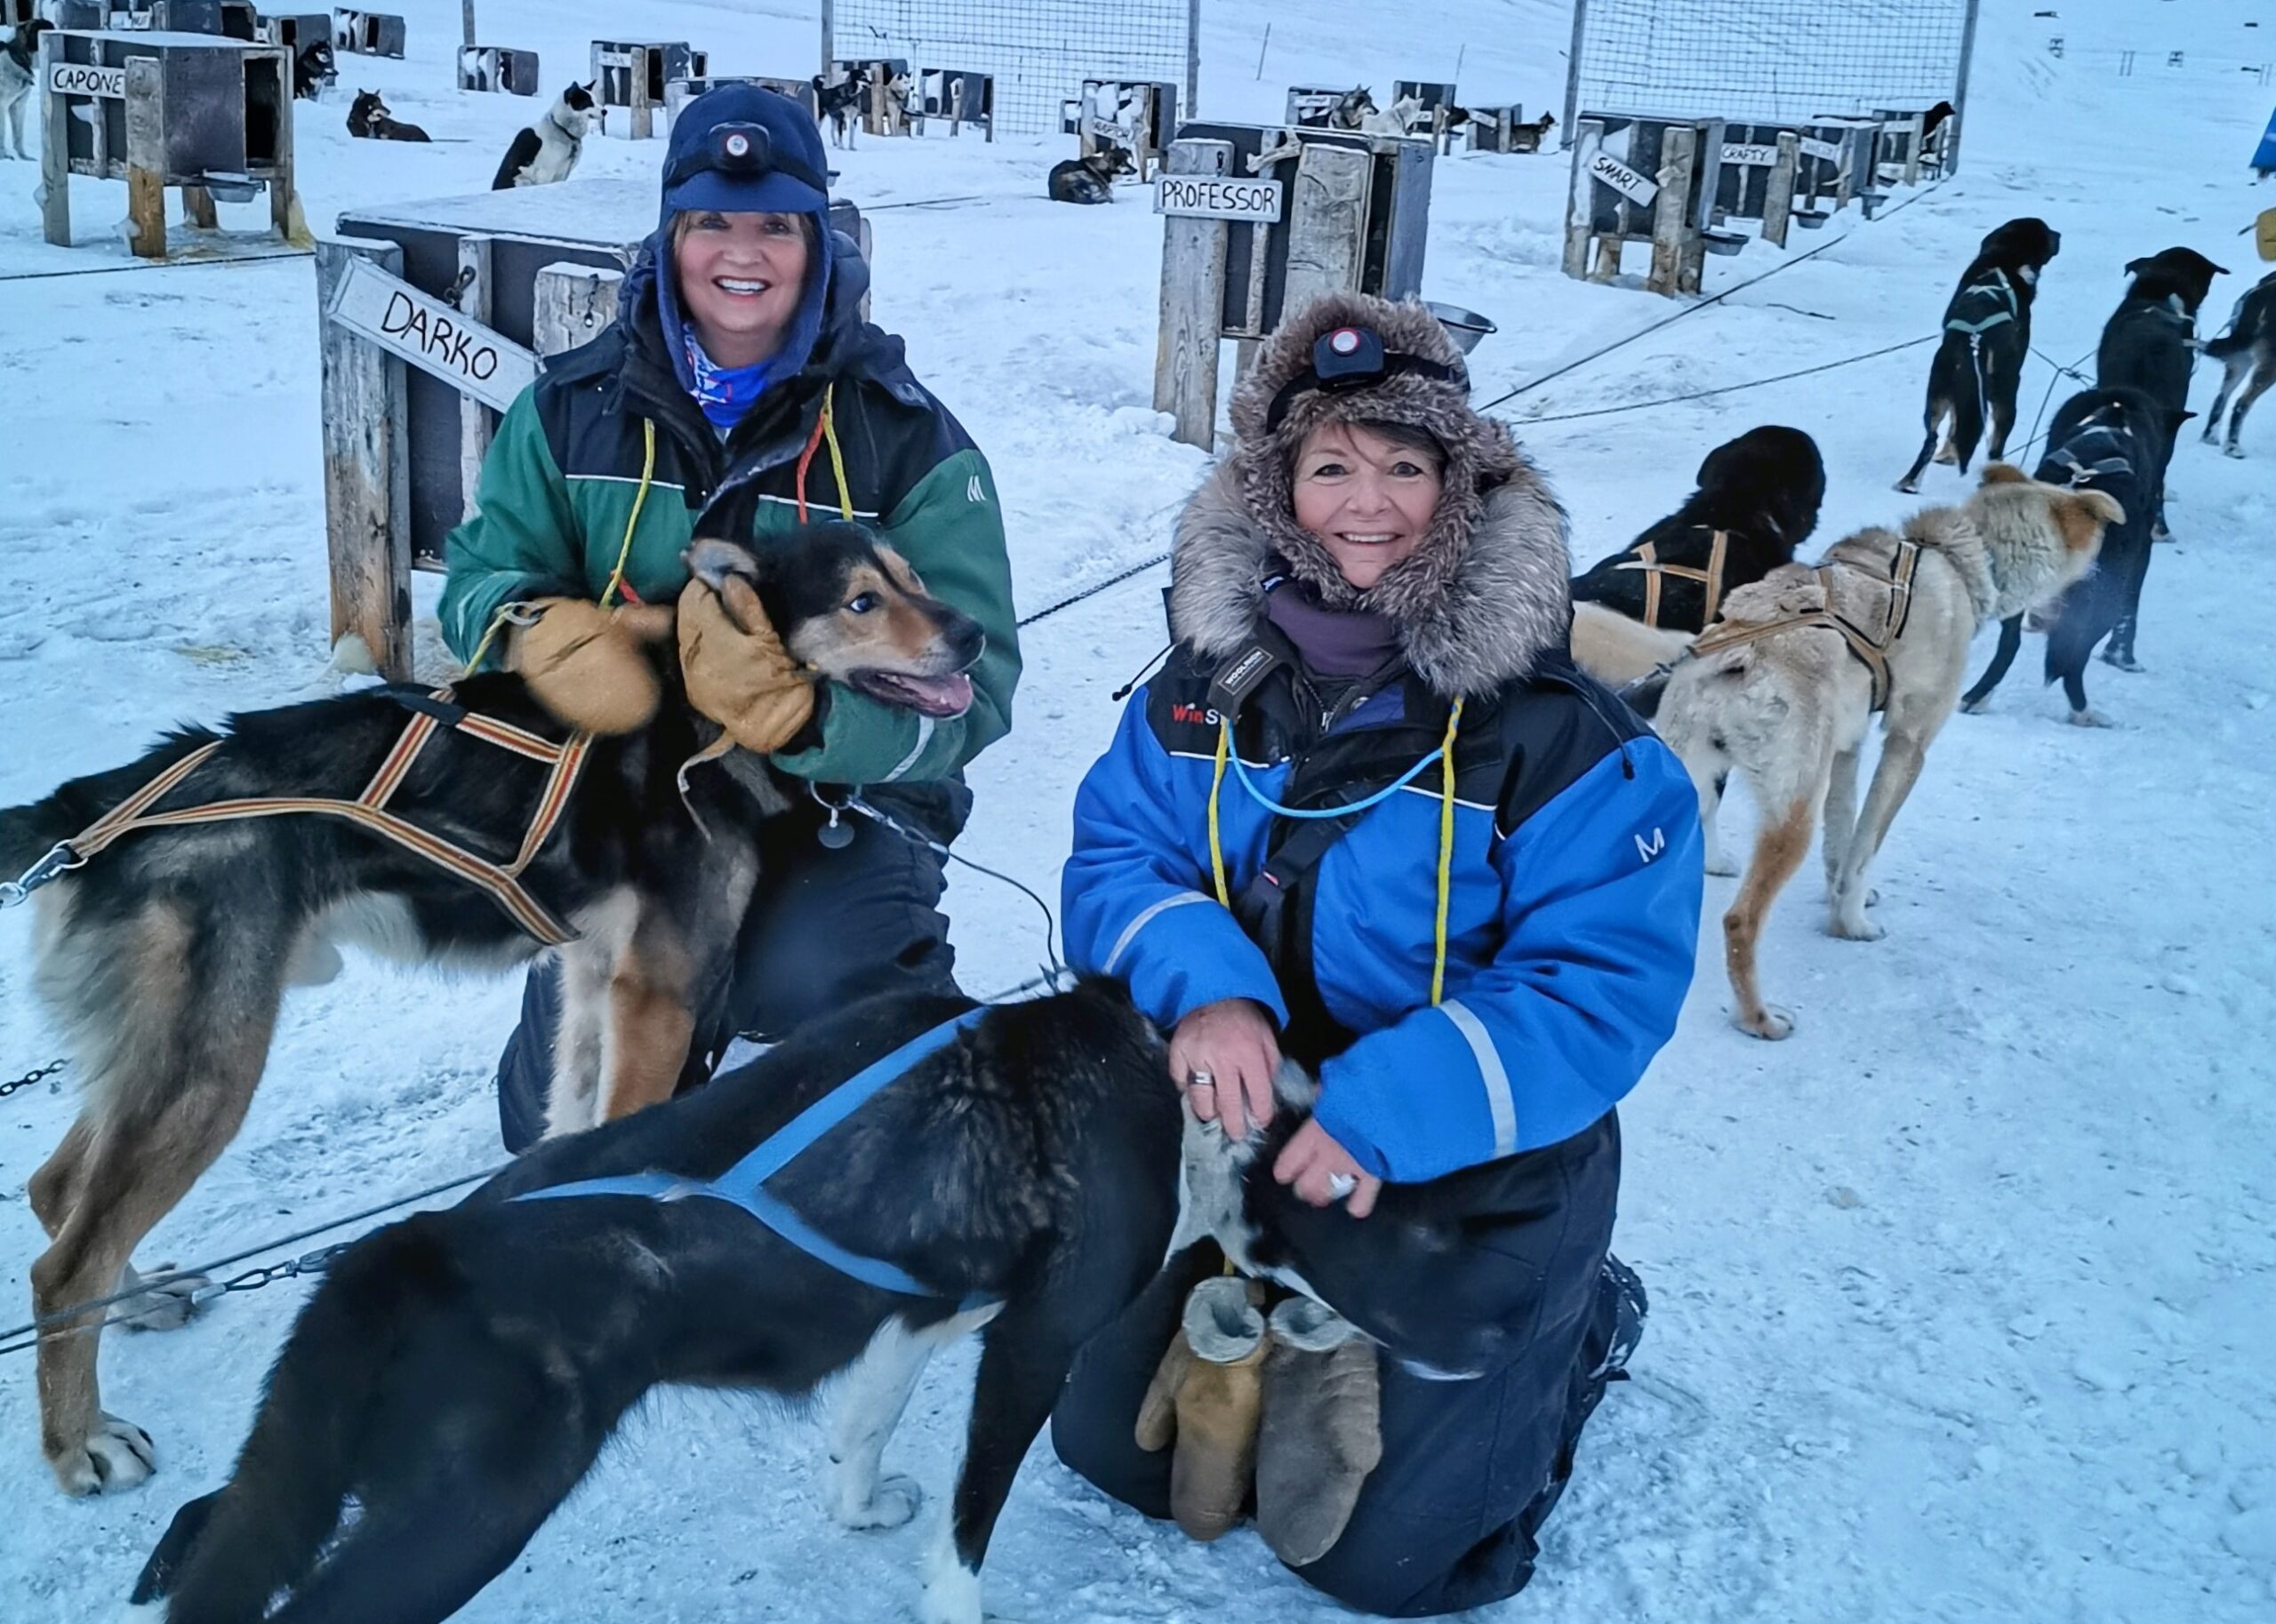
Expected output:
(19, 73)
(547, 150)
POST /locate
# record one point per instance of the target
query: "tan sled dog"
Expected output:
(1783, 688)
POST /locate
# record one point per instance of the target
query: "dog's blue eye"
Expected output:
(862, 605)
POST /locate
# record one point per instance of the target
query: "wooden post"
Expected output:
(643, 124)
(1193, 303)
(1778, 197)
(1579, 213)
(197, 208)
(146, 156)
(283, 191)
(572, 304)
(1672, 227)
(1911, 128)
(54, 150)
(476, 421)
(366, 472)
(466, 22)
(1327, 223)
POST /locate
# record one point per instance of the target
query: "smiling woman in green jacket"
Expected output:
(739, 393)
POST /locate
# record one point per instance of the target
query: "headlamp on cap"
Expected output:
(743, 151)
(1345, 359)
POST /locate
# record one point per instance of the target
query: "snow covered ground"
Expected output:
(1961, 1297)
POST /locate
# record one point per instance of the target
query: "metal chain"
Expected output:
(36, 1075)
(269, 1274)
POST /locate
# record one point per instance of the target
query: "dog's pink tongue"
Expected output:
(941, 696)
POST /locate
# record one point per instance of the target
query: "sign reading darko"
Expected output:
(431, 335)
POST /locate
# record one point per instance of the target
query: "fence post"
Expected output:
(1193, 302)
(476, 421)
(1671, 209)
(571, 304)
(54, 150)
(1580, 215)
(643, 118)
(146, 155)
(366, 471)
(1327, 229)
(1778, 196)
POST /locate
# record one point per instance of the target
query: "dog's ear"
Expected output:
(2081, 516)
(712, 561)
(2134, 266)
(2004, 474)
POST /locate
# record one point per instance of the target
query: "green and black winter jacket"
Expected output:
(564, 474)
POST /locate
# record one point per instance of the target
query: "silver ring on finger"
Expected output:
(1340, 1185)
(1198, 1078)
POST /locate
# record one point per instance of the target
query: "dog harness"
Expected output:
(1982, 306)
(2099, 453)
(743, 1185)
(1870, 648)
(1647, 560)
(432, 710)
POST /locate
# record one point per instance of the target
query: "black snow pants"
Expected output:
(1470, 1468)
(826, 927)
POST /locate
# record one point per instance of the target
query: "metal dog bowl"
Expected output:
(1871, 202)
(1465, 327)
(1810, 219)
(1725, 243)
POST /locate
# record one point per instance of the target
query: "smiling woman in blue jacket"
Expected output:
(1370, 610)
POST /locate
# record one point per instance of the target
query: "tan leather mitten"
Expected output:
(1322, 1429)
(1219, 1405)
(588, 666)
(736, 669)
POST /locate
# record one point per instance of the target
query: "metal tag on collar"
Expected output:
(1240, 676)
(837, 834)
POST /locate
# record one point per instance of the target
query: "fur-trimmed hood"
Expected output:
(1478, 602)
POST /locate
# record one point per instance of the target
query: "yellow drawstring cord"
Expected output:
(1216, 783)
(836, 457)
(1446, 839)
(505, 615)
(1446, 853)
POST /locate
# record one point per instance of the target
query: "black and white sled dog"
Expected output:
(839, 105)
(1090, 178)
(2149, 342)
(2106, 440)
(1758, 500)
(547, 150)
(456, 1374)
(315, 69)
(2247, 353)
(18, 72)
(368, 119)
(1987, 334)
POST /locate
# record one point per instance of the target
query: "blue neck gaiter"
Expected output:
(723, 393)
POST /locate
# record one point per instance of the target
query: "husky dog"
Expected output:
(1783, 695)
(314, 67)
(457, 1373)
(1987, 334)
(2103, 440)
(840, 105)
(2247, 353)
(166, 956)
(1528, 137)
(546, 151)
(1757, 501)
(19, 73)
(1399, 119)
(2149, 342)
(1352, 109)
(369, 119)
(1091, 179)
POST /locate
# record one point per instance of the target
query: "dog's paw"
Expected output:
(116, 1455)
(167, 1306)
(1769, 1022)
(1855, 927)
(2123, 660)
(2233, 450)
(952, 1589)
(892, 1502)
(1976, 708)
(2090, 717)
(1910, 487)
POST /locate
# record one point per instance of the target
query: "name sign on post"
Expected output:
(1824, 152)
(87, 79)
(1638, 188)
(431, 335)
(1218, 197)
(1750, 152)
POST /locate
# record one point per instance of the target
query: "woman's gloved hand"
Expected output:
(588, 666)
(737, 671)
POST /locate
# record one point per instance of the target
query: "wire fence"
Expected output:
(1778, 61)
(1039, 51)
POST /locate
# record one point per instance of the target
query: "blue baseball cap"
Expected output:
(742, 149)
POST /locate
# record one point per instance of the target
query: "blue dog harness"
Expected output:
(742, 1184)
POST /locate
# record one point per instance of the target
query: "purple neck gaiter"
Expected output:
(1332, 642)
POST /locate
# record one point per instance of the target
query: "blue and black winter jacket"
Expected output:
(1574, 883)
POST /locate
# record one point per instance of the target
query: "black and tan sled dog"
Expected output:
(453, 827)
(1979, 361)
(1758, 500)
(455, 1375)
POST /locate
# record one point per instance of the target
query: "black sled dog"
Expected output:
(1987, 334)
(368, 119)
(547, 150)
(2103, 440)
(1757, 501)
(457, 829)
(2150, 343)
(839, 105)
(456, 1374)
(2247, 353)
(1089, 179)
